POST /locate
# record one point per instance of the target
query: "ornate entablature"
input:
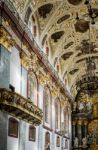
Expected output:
(20, 107)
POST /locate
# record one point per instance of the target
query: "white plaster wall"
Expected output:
(30, 145)
(15, 69)
(12, 143)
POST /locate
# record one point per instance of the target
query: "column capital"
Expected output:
(73, 122)
(6, 40)
(79, 122)
(85, 122)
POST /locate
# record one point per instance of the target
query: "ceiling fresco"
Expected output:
(69, 28)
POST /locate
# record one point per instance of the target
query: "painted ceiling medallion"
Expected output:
(65, 17)
(67, 55)
(72, 72)
(75, 2)
(44, 10)
(86, 48)
(80, 60)
(95, 10)
(81, 26)
(57, 35)
(44, 39)
(84, 59)
(68, 45)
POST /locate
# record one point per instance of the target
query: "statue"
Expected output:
(80, 106)
(74, 106)
(76, 142)
(88, 106)
(84, 140)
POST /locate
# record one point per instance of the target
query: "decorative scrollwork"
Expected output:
(19, 106)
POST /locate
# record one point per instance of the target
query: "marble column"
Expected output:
(79, 132)
(85, 128)
(73, 131)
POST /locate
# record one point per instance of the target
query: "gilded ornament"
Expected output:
(6, 40)
(12, 101)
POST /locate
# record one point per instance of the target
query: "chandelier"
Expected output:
(89, 81)
(92, 13)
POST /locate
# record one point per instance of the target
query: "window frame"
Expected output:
(27, 15)
(31, 75)
(11, 120)
(47, 138)
(57, 141)
(34, 134)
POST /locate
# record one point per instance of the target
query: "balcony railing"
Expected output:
(20, 107)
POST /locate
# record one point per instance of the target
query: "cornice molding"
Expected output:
(22, 31)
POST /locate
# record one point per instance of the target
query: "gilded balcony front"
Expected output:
(20, 107)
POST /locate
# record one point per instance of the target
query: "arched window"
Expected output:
(65, 119)
(66, 144)
(34, 26)
(34, 30)
(58, 141)
(47, 139)
(13, 128)
(27, 15)
(57, 114)
(47, 105)
(32, 133)
(32, 87)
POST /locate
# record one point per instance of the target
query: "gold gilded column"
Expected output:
(73, 132)
(85, 128)
(95, 110)
(79, 131)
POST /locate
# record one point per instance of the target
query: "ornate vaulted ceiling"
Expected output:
(63, 25)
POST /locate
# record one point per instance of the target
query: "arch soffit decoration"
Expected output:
(71, 35)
